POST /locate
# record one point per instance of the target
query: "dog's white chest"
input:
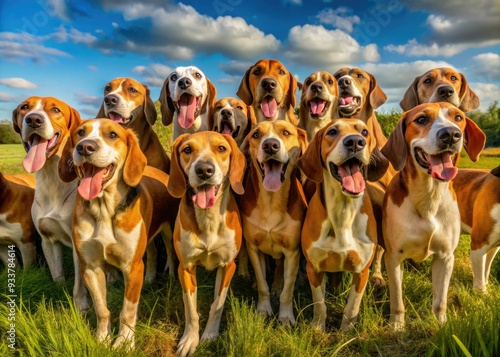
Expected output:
(9, 231)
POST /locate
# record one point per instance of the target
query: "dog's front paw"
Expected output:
(286, 316)
(264, 308)
(378, 280)
(123, 341)
(187, 344)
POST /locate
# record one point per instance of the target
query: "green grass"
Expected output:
(11, 156)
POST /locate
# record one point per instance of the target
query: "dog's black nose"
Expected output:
(86, 147)
(344, 82)
(184, 83)
(269, 84)
(449, 136)
(271, 146)
(111, 100)
(445, 92)
(226, 113)
(354, 143)
(34, 120)
(204, 170)
(316, 87)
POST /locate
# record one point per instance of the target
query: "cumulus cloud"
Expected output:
(6, 97)
(17, 83)
(416, 49)
(317, 47)
(487, 65)
(339, 18)
(74, 35)
(23, 46)
(154, 75)
(487, 93)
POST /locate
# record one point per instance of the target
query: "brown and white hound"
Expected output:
(420, 212)
(206, 168)
(233, 117)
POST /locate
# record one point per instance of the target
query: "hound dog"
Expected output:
(129, 103)
(117, 210)
(340, 231)
(186, 98)
(269, 88)
(232, 117)
(44, 124)
(440, 85)
(425, 146)
(205, 167)
(16, 224)
(273, 207)
(318, 102)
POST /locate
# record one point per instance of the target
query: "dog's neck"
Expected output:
(50, 188)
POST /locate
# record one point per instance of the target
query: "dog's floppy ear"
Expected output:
(74, 119)
(310, 163)
(149, 107)
(167, 107)
(244, 89)
(302, 140)
(468, 99)
(474, 140)
(212, 94)
(177, 181)
(395, 148)
(15, 113)
(101, 113)
(410, 98)
(292, 89)
(237, 166)
(378, 165)
(377, 95)
(65, 167)
(135, 162)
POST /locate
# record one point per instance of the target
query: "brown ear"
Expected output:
(135, 162)
(310, 163)
(410, 98)
(101, 113)
(377, 95)
(252, 118)
(177, 181)
(395, 148)
(237, 166)
(378, 165)
(16, 127)
(244, 89)
(212, 94)
(468, 99)
(302, 140)
(474, 140)
(65, 167)
(292, 89)
(166, 105)
(74, 119)
(149, 107)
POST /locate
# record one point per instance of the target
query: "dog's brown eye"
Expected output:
(286, 132)
(256, 71)
(113, 135)
(330, 82)
(281, 72)
(197, 75)
(364, 132)
(428, 80)
(81, 132)
(308, 82)
(360, 75)
(458, 117)
(422, 120)
(24, 107)
(256, 135)
(173, 77)
(221, 148)
(55, 110)
(107, 88)
(453, 78)
(187, 150)
(332, 132)
(133, 90)
(239, 107)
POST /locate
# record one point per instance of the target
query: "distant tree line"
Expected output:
(8, 135)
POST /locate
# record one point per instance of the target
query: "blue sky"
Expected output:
(71, 49)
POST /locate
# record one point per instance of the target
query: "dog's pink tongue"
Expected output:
(269, 106)
(352, 179)
(187, 109)
(317, 106)
(345, 100)
(227, 130)
(116, 118)
(272, 176)
(442, 166)
(205, 197)
(91, 184)
(36, 156)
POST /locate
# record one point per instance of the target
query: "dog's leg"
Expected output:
(489, 259)
(478, 262)
(395, 276)
(292, 261)
(28, 253)
(191, 338)
(351, 310)
(317, 282)
(53, 255)
(168, 240)
(259, 266)
(243, 262)
(224, 276)
(133, 278)
(151, 260)
(79, 289)
(441, 267)
(377, 278)
(95, 280)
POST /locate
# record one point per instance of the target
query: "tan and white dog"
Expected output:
(129, 103)
(318, 103)
(232, 117)
(205, 167)
(44, 124)
(186, 99)
(340, 231)
(420, 212)
(16, 224)
(269, 88)
(273, 207)
(118, 209)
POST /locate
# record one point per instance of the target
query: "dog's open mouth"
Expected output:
(189, 109)
(119, 119)
(228, 128)
(440, 166)
(318, 107)
(349, 104)
(273, 174)
(92, 179)
(351, 175)
(206, 195)
(269, 106)
(38, 150)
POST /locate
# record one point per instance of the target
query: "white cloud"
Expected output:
(487, 93)
(93, 68)
(416, 49)
(154, 75)
(17, 83)
(75, 36)
(58, 8)
(339, 18)
(487, 65)
(85, 99)
(6, 97)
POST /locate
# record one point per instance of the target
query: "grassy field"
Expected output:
(48, 324)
